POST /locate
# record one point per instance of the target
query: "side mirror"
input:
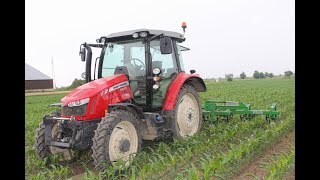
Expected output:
(165, 45)
(83, 54)
(192, 71)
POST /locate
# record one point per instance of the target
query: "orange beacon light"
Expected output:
(184, 26)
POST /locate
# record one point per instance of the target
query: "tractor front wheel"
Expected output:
(117, 137)
(44, 151)
(41, 148)
(188, 113)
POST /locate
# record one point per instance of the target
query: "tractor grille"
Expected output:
(75, 110)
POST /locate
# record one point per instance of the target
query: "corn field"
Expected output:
(218, 151)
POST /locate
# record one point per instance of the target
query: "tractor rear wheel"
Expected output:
(117, 137)
(188, 113)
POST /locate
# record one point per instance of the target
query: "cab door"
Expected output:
(169, 69)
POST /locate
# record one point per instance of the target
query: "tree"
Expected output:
(271, 75)
(229, 77)
(256, 75)
(288, 73)
(77, 83)
(266, 74)
(243, 75)
(262, 75)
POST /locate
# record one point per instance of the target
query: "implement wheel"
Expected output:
(188, 113)
(117, 137)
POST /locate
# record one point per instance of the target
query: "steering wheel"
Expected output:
(136, 59)
(137, 65)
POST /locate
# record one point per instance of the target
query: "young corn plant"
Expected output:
(280, 164)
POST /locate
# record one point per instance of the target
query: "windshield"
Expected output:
(130, 54)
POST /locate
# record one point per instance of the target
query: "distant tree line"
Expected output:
(258, 75)
(288, 73)
(76, 83)
(243, 75)
(229, 77)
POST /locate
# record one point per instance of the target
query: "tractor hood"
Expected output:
(92, 88)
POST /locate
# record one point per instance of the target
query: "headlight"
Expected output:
(79, 102)
(135, 35)
(156, 71)
(143, 34)
(156, 85)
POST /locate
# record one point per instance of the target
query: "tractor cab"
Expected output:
(150, 59)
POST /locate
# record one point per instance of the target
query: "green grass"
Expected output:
(216, 151)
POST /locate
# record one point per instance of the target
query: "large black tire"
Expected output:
(41, 149)
(108, 142)
(44, 151)
(188, 113)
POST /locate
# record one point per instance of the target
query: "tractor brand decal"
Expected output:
(120, 85)
(123, 89)
(104, 92)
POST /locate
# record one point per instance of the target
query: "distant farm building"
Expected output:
(34, 79)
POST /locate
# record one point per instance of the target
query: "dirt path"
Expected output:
(45, 93)
(79, 170)
(253, 169)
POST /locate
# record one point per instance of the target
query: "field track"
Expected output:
(45, 93)
(254, 169)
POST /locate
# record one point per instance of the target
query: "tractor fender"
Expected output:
(182, 78)
(127, 106)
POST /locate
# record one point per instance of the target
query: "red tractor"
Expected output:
(139, 91)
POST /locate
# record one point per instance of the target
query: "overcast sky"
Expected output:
(225, 36)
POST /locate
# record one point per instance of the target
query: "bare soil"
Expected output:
(78, 170)
(253, 169)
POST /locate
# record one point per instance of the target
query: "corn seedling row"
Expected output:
(280, 164)
(226, 163)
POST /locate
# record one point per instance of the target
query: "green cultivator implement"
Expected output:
(215, 109)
